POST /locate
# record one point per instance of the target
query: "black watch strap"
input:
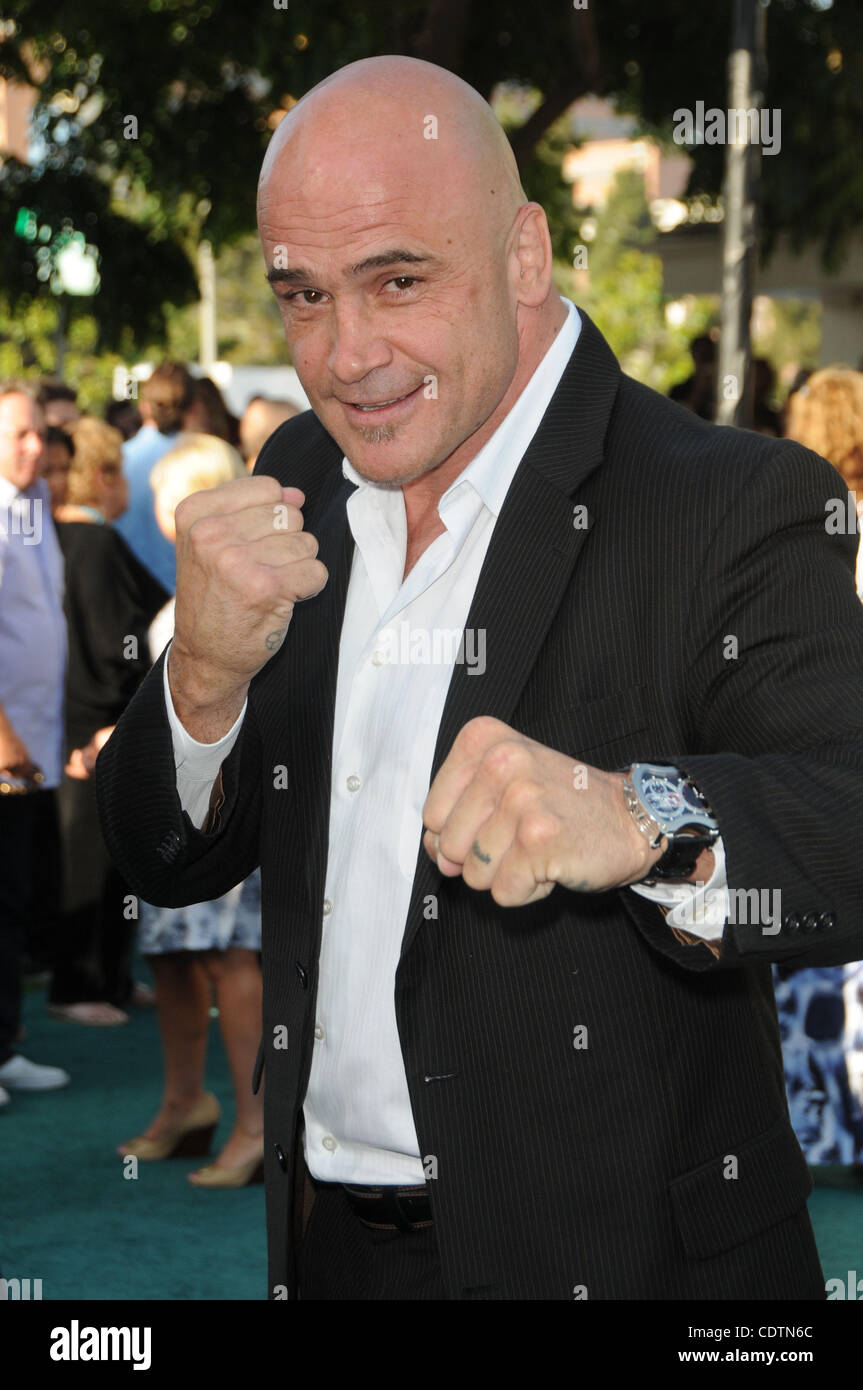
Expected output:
(679, 860)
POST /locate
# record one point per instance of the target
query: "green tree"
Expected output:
(621, 288)
(153, 114)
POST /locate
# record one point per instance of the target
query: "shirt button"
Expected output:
(328, 907)
(353, 783)
(320, 1033)
(378, 658)
(329, 1143)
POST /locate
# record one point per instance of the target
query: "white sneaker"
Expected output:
(4, 1097)
(20, 1075)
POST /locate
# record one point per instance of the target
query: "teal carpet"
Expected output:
(71, 1219)
(836, 1208)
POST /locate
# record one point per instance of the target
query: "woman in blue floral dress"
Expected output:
(208, 951)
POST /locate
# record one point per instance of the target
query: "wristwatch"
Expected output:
(664, 802)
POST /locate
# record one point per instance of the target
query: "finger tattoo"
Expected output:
(483, 858)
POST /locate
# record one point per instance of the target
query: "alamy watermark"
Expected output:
(405, 645)
(77, 1343)
(842, 517)
(18, 1290)
(737, 126)
(23, 518)
(752, 907)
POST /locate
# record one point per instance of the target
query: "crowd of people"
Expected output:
(87, 577)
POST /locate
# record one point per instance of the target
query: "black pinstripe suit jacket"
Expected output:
(601, 1171)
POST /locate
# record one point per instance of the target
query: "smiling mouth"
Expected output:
(380, 405)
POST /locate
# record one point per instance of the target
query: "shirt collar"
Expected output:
(10, 494)
(490, 473)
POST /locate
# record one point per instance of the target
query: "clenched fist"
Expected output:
(508, 815)
(243, 561)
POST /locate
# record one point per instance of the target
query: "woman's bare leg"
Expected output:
(236, 977)
(183, 1000)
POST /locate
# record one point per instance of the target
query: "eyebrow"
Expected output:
(397, 256)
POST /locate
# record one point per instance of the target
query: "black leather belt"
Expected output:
(390, 1208)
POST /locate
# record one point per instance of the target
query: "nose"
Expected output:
(357, 347)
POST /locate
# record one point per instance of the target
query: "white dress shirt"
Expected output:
(32, 625)
(397, 650)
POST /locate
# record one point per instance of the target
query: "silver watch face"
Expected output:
(662, 796)
(670, 798)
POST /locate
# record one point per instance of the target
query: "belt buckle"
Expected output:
(394, 1207)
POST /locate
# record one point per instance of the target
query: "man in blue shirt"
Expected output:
(165, 398)
(32, 672)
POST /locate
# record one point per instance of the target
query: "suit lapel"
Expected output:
(317, 658)
(534, 548)
(304, 679)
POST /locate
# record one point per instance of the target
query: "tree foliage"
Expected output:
(204, 80)
(619, 283)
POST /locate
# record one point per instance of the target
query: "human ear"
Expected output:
(532, 255)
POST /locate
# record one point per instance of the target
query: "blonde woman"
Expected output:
(207, 950)
(826, 415)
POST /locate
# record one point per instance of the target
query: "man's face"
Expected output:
(399, 318)
(61, 413)
(22, 434)
(56, 466)
(112, 490)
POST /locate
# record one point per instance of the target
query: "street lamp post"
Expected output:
(746, 81)
(207, 310)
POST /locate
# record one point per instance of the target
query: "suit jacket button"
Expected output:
(791, 922)
(827, 920)
(302, 974)
(280, 1155)
(811, 922)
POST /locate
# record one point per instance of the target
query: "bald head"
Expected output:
(260, 418)
(413, 276)
(379, 108)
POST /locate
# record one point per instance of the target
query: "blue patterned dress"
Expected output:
(821, 1023)
(232, 920)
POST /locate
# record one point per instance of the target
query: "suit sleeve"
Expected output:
(150, 838)
(775, 694)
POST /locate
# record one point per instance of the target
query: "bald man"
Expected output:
(539, 702)
(260, 419)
